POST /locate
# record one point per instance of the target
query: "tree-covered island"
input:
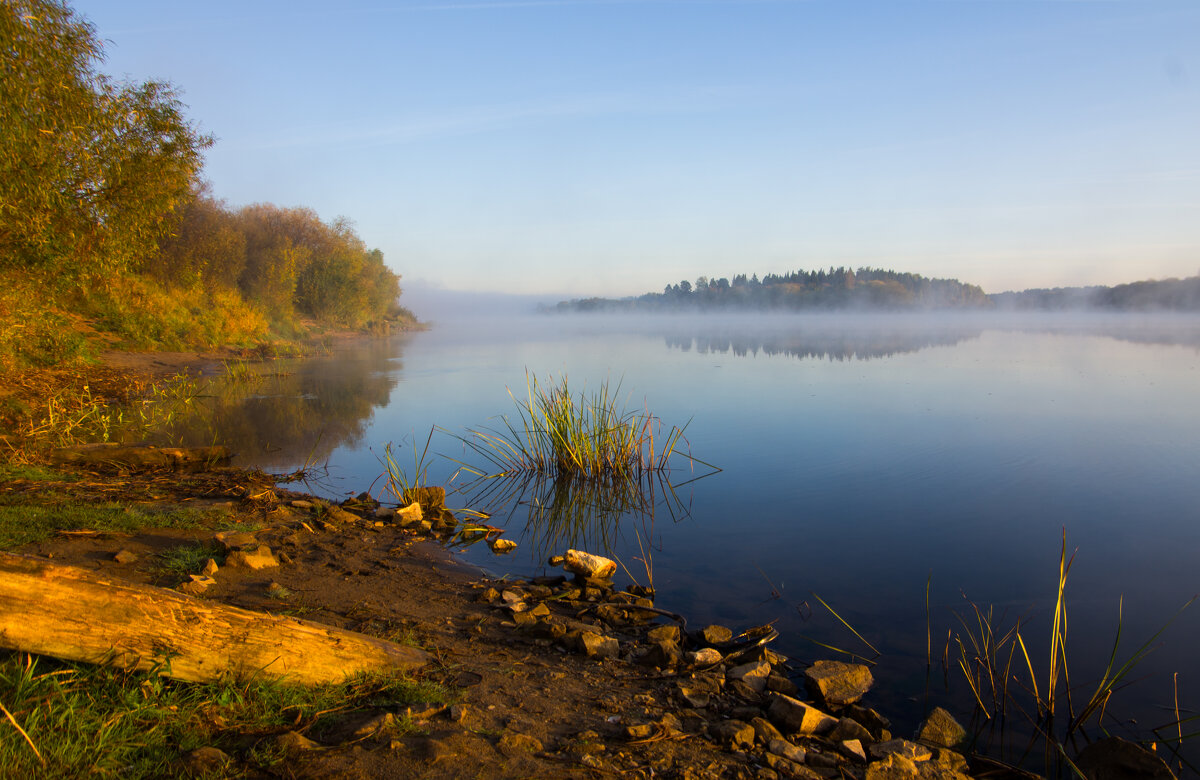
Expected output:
(873, 289)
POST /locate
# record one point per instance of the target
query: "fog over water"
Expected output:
(860, 457)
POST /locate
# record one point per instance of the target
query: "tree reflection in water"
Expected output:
(287, 413)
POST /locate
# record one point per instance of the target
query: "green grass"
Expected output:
(76, 720)
(578, 435)
(25, 472)
(188, 559)
(24, 523)
(401, 482)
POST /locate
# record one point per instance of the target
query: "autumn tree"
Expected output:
(89, 168)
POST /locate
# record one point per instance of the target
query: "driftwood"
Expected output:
(141, 456)
(80, 615)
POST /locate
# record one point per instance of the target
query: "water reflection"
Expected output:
(816, 340)
(560, 513)
(285, 410)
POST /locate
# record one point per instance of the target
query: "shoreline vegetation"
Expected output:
(109, 233)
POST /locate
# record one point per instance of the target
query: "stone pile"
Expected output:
(732, 690)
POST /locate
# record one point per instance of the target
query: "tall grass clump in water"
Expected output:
(578, 436)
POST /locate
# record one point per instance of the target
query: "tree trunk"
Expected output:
(80, 615)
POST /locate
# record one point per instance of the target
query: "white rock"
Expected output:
(588, 565)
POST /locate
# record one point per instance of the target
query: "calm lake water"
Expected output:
(861, 458)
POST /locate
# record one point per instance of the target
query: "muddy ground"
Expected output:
(394, 583)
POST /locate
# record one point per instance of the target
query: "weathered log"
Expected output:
(80, 615)
(141, 456)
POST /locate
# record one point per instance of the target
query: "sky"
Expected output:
(612, 147)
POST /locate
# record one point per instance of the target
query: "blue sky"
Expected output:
(579, 147)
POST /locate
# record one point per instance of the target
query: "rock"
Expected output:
(777, 683)
(293, 742)
(1114, 758)
(793, 716)
(430, 498)
(374, 726)
(300, 503)
(524, 619)
(715, 635)
(235, 540)
(423, 711)
(837, 683)
(663, 653)
(594, 645)
(743, 692)
(706, 656)
(894, 767)
(541, 610)
(339, 515)
(259, 557)
(764, 730)
(661, 633)
(734, 732)
(871, 720)
(515, 744)
(947, 760)
(502, 546)
(384, 512)
(694, 697)
(125, 556)
(853, 749)
(781, 747)
(210, 568)
(206, 762)
(588, 565)
(786, 768)
(848, 728)
(409, 515)
(641, 731)
(197, 584)
(753, 674)
(461, 714)
(489, 596)
(900, 747)
(940, 728)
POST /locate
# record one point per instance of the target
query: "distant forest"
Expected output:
(1166, 294)
(837, 288)
(875, 289)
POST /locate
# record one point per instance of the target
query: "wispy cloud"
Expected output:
(362, 132)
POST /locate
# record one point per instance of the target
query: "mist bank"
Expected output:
(870, 289)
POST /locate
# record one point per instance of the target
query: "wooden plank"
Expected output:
(80, 615)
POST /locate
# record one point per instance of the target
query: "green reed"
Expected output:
(577, 435)
(996, 664)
